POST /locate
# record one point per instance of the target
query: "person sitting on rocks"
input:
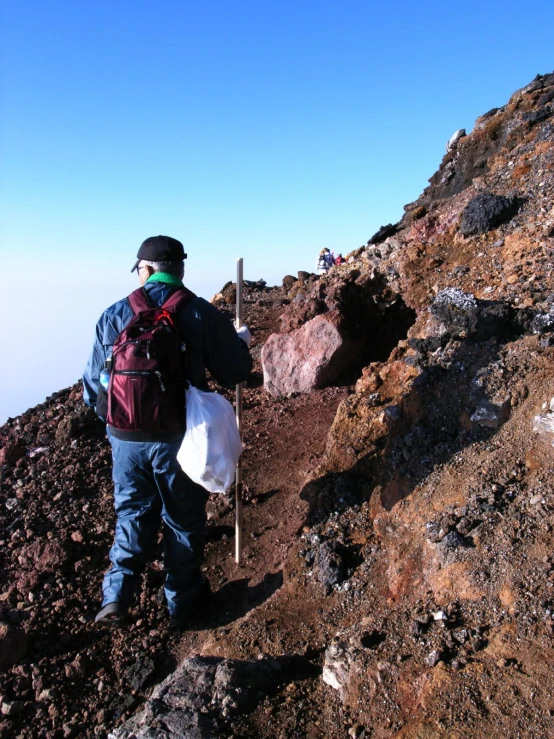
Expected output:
(324, 262)
(339, 259)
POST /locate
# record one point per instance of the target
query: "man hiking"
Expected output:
(147, 348)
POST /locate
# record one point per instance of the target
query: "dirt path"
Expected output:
(284, 440)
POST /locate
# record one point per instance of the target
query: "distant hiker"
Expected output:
(339, 259)
(324, 262)
(147, 347)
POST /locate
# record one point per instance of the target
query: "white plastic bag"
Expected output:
(211, 447)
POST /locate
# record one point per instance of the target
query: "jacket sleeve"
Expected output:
(227, 357)
(95, 364)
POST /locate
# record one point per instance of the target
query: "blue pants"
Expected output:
(150, 484)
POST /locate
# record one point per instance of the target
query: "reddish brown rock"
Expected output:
(307, 358)
(73, 426)
(43, 556)
(11, 453)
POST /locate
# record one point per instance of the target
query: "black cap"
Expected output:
(160, 249)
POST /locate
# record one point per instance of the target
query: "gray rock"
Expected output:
(202, 693)
(542, 323)
(451, 545)
(457, 310)
(454, 540)
(433, 658)
(393, 413)
(538, 116)
(139, 672)
(329, 566)
(460, 635)
(434, 531)
(373, 400)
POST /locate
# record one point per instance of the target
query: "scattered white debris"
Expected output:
(38, 450)
(544, 423)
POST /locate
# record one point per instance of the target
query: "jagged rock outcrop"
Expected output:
(326, 326)
(446, 441)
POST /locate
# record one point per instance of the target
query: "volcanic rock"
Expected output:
(203, 690)
(288, 281)
(43, 556)
(458, 311)
(74, 425)
(461, 313)
(309, 357)
(383, 233)
(11, 453)
(329, 566)
(486, 211)
(491, 415)
(139, 672)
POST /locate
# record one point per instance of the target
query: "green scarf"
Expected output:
(167, 278)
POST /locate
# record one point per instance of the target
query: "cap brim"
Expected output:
(136, 265)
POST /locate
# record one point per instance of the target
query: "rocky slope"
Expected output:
(398, 574)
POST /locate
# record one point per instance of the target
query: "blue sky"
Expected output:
(265, 130)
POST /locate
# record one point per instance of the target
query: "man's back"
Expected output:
(211, 342)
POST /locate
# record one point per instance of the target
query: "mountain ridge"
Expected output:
(398, 573)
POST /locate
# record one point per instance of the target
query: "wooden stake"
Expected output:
(238, 479)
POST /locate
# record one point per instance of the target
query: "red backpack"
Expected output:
(146, 391)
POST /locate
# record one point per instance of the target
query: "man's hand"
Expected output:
(244, 334)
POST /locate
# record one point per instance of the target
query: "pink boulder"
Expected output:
(309, 357)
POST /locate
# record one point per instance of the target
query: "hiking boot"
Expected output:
(112, 615)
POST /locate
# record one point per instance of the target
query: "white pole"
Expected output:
(238, 479)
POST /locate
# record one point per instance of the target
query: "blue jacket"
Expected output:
(211, 340)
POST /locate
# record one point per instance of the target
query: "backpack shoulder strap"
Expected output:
(139, 300)
(178, 300)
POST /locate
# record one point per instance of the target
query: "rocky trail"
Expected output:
(78, 678)
(398, 569)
